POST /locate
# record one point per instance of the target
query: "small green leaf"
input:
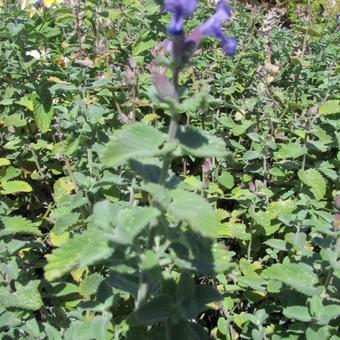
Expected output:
(315, 181)
(291, 150)
(143, 46)
(90, 284)
(298, 313)
(226, 179)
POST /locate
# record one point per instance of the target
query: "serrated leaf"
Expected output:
(130, 222)
(315, 181)
(65, 221)
(199, 143)
(42, 116)
(298, 313)
(26, 297)
(13, 187)
(291, 150)
(142, 46)
(82, 250)
(17, 224)
(296, 275)
(233, 230)
(133, 141)
(197, 212)
(90, 284)
(330, 107)
(157, 310)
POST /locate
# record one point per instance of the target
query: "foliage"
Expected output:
(110, 231)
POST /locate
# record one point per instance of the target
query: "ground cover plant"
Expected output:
(169, 170)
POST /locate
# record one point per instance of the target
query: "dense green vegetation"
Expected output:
(109, 229)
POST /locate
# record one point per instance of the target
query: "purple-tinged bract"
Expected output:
(180, 10)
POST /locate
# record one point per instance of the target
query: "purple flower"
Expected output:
(180, 10)
(38, 4)
(212, 27)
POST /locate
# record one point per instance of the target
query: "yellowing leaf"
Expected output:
(330, 107)
(4, 162)
(57, 80)
(58, 240)
(78, 273)
(12, 187)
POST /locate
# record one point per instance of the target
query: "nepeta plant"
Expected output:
(174, 238)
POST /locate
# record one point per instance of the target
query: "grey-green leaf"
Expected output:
(133, 141)
(197, 212)
(199, 143)
(82, 250)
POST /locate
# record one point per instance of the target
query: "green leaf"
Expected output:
(4, 162)
(330, 107)
(143, 46)
(65, 221)
(13, 187)
(233, 230)
(133, 141)
(90, 284)
(157, 310)
(315, 181)
(26, 297)
(291, 150)
(130, 222)
(298, 313)
(42, 116)
(226, 179)
(80, 251)
(17, 224)
(251, 155)
(199, 143)
(296, 275)
(27, 101)
(193, 209)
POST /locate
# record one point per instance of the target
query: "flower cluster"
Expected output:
(182, 9)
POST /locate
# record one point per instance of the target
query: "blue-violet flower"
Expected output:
(180, 10)
(212, 27)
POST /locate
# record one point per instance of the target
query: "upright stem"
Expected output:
(173, 127)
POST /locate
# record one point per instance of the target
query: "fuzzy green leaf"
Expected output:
(13, 187)
(17, 224)
(90, 284)
(197, 212)
(134, 141)
(199, 143)
(315, 181)
(296, 275)
(291, 150)
(80, 251)
(26, 297)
